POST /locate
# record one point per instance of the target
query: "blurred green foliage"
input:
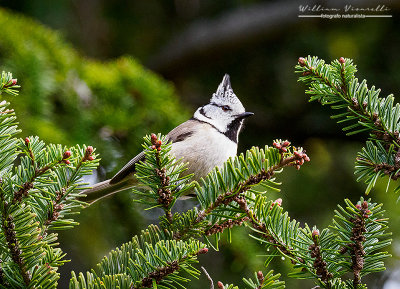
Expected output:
(68, 99)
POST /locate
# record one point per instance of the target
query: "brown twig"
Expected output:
(208, 277)
(356, 248)
(162, 272)
(228, 224)
(165, 195)
(27, 186)
(13, 245)
(268, 236)
(319, 264)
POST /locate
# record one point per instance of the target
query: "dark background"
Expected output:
(191, 44)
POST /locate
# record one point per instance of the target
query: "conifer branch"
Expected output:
(150, 259)
(162, 174)
(3, 280)
(335, 84)
(228, 224)
(269, 236)
(165, 195)
(38, 193)
(13, 245)
(356, 248)
(37, 172)
(286, 158)
(319, 264)
(7, 224)
(8, 84)
(60, 195)
(162, 272)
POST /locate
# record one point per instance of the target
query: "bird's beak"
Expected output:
(244, 115)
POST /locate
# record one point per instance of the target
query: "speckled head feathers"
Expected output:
(224, 112)
(224, 93)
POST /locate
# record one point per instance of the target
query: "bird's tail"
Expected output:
(104, 189)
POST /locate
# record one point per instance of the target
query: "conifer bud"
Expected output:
(67, 162)
(91, 158)
(278, 202)
(203, 251)
(153, 138)
(342, 60)
(277, 145)
(11, 82)
(315, 233)
(260, 276)
(358, 206)
(89, 150)
(27, 141)
(66, 154)
(365, 205)
(220, 285)
(302, 61)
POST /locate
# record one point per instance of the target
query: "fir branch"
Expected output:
(37, 172)
(319, 264)
(362, 104)
(8, 84)
(281, 153)
(336, 85)
(158, 275)
(269, 236)
(360, 233)
(162, 174)
(228, 224)
(3, 280)
(162, 272)
(13, 245)
(8, 226)
(151, 258)
(356, 248)
(60, 196)
(261, 281)
(165, 195)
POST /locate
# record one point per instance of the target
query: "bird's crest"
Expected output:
(224, 92)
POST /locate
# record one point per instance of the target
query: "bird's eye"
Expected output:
(225, 108)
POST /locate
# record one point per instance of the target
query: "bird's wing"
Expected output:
(178, 134)
(182, 131)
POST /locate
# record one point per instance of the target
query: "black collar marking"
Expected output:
(233, 130)
(203, 113)
(231, 133)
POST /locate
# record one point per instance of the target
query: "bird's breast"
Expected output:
(204, 150)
